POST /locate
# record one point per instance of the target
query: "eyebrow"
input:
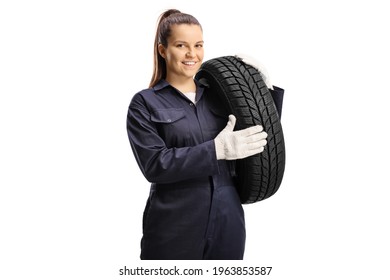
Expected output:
(179, 41)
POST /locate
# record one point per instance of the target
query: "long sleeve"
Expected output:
(277, 95)
(161, 164)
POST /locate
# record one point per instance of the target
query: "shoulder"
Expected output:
(153, 94)
(143, 93)
(141, 97)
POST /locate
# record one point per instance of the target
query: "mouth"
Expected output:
(189, 63)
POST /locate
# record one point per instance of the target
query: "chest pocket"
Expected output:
(172, 126)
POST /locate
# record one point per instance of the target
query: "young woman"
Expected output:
(180, 139)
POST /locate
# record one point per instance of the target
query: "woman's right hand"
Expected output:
(231, 145)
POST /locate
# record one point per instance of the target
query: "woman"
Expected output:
(177, 133)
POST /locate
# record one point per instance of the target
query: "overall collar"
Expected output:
(200, 85)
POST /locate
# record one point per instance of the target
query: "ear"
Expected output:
(161, 50)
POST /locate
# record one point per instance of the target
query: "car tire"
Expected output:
(241, 89)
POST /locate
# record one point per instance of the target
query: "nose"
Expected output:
(190, 52)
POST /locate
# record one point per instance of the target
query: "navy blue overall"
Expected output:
(193, 210)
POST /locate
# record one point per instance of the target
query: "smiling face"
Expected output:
(184, 52)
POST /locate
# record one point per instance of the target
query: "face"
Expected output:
(184, 52)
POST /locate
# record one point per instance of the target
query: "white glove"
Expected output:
(231, 145)
(260, 67)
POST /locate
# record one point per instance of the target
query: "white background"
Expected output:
(72, 196)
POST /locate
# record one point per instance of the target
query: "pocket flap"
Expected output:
(167, 115)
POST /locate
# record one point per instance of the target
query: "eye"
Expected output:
(199, 46)
(180, 45)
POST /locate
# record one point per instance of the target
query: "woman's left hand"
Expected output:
(259, 66)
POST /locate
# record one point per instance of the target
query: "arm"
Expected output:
(277, 95)
(158, 163)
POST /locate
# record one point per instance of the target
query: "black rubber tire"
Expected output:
(243, 92)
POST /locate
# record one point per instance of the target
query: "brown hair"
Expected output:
(166, 20)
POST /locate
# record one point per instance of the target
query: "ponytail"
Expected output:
(165, 21)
